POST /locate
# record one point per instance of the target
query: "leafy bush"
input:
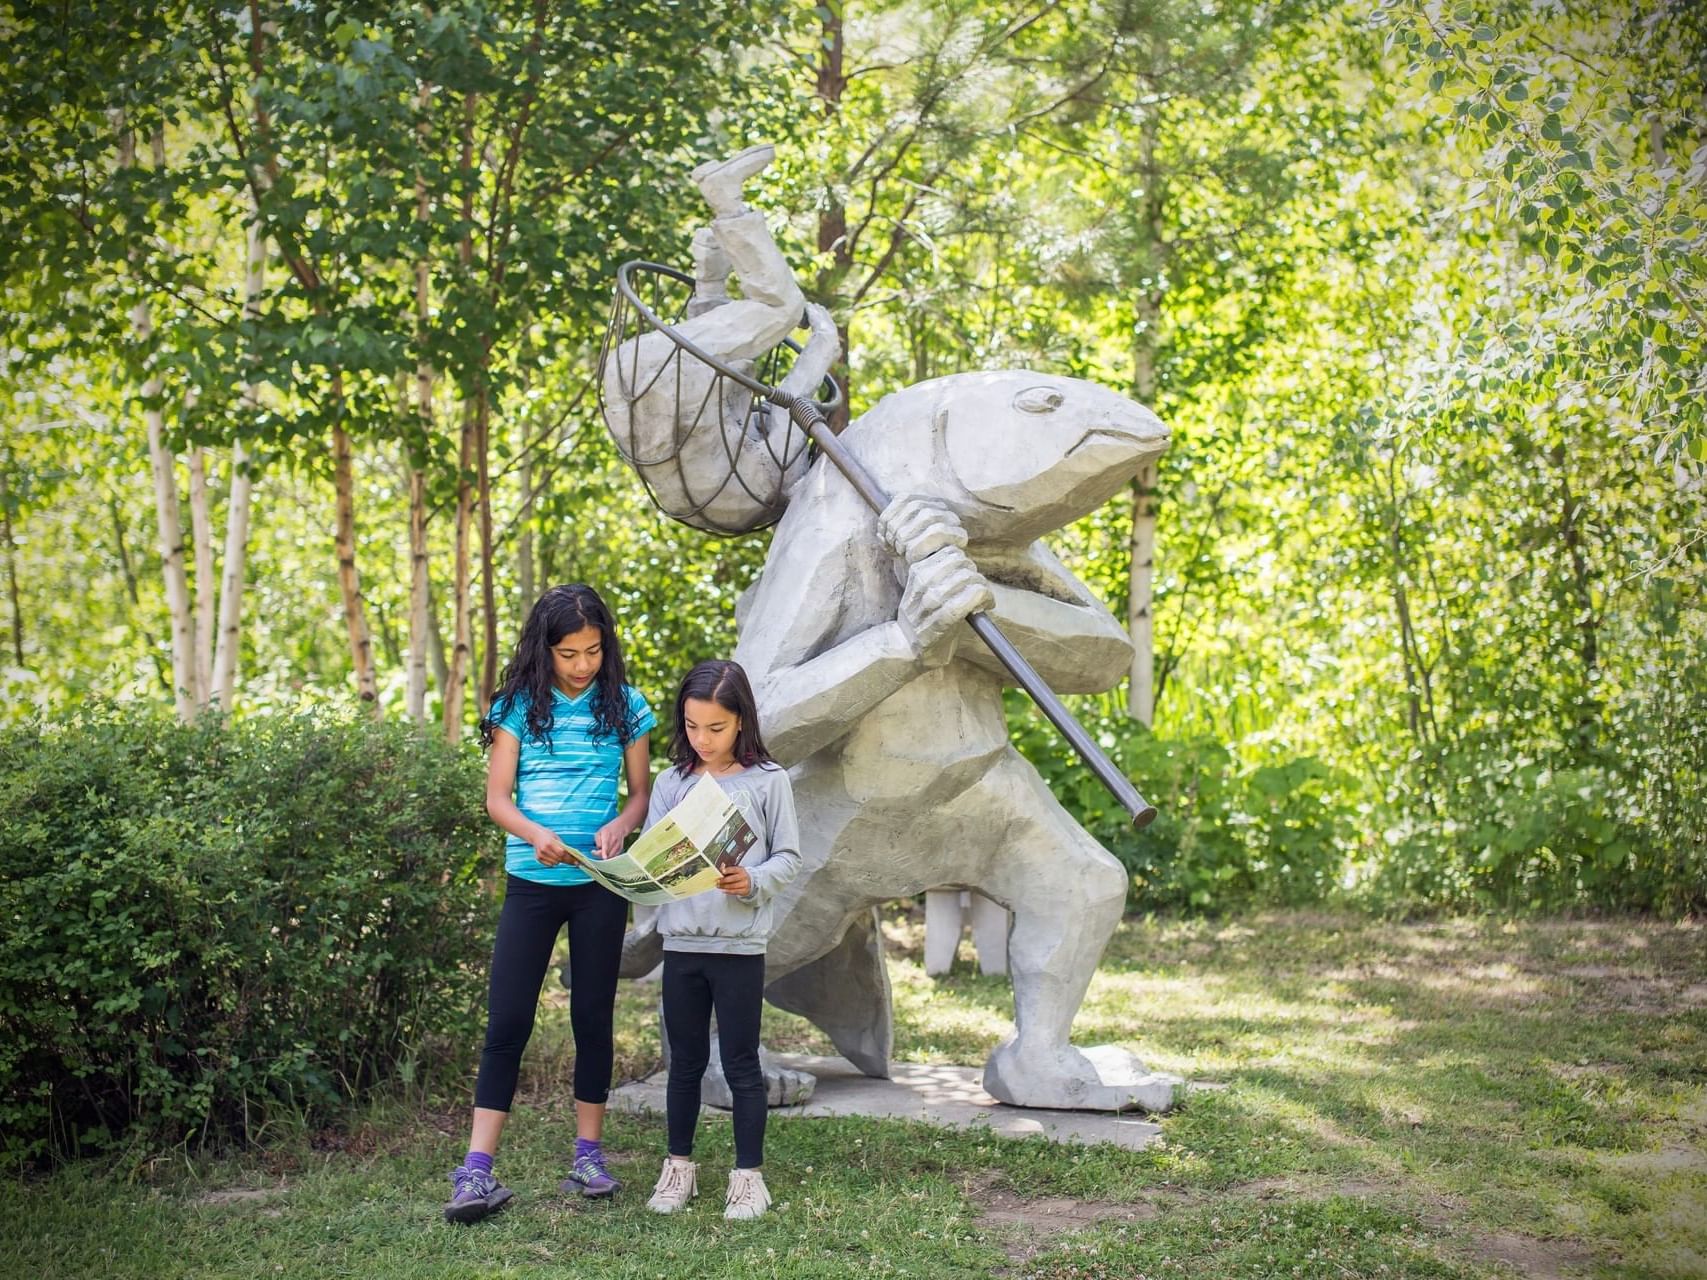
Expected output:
(1227, 834)
(206, 926)
(1620, 824)
(1611, 816)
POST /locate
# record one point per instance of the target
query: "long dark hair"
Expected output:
(724, 683)
(560, 612)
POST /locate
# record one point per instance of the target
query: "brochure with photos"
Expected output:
(682, 853)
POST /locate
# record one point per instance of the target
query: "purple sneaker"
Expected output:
(477, 1195)
(589, 1176)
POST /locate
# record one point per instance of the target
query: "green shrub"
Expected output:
(1227, 834)
(1625, 832)
(208, 925)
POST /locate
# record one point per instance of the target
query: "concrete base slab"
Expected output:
(945, 1095)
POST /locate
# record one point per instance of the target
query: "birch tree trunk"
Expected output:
(1140, 619)
(167, 518)
(234, 561)
(420, 596)
(231, 585)
(201, 542)
(344, 538)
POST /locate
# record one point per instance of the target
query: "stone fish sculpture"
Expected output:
(888, 712)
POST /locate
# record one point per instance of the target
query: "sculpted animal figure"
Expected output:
(871, 686)
(889, 711)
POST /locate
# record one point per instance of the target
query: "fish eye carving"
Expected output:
(1038, 400)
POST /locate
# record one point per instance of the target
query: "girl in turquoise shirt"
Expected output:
(564, 729)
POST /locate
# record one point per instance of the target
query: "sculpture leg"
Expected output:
(845, 993)
(1066, 896)
(943, 923)
(771, 305)
(990, 924)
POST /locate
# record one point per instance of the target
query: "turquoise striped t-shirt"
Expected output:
(569, 788)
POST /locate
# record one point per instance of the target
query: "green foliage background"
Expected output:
(1419, 287)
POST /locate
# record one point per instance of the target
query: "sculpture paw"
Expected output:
(1105, 1078)
(784, 1086)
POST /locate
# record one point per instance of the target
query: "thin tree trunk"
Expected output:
(344, 539)
(11, 561)
(201, 542)
(833, 217)
(415, 700)
(1140, 617)
(462, 642)
(170, 530)
(168, 521)
(524, 534)
(234, 566)
(488, 553)
(1419, 696)
(234, 561)
(461, 631)
(436, 641)
(130, 584)
(420, 597)
(387, 635)
(133, 590)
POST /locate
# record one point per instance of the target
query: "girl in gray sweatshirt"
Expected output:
(714, 942)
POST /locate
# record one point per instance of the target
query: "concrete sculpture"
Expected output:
(889, 711)
(711, 456)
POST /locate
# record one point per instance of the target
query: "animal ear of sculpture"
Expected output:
(845, 993)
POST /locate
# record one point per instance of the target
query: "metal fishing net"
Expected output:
(713, 442)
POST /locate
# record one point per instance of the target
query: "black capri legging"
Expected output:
(527, 930)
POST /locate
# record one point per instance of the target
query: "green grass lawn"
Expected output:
(1455, 1099)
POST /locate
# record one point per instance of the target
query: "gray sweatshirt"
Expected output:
(719, 922)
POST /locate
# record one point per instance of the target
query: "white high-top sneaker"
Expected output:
(748, 1195)
(677, 1184)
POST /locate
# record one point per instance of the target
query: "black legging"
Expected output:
(527, 930)
(695, 983)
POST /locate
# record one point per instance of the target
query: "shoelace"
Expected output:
(675, 1179)
(744, 1192)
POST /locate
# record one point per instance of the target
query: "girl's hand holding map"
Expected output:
(549, 849)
